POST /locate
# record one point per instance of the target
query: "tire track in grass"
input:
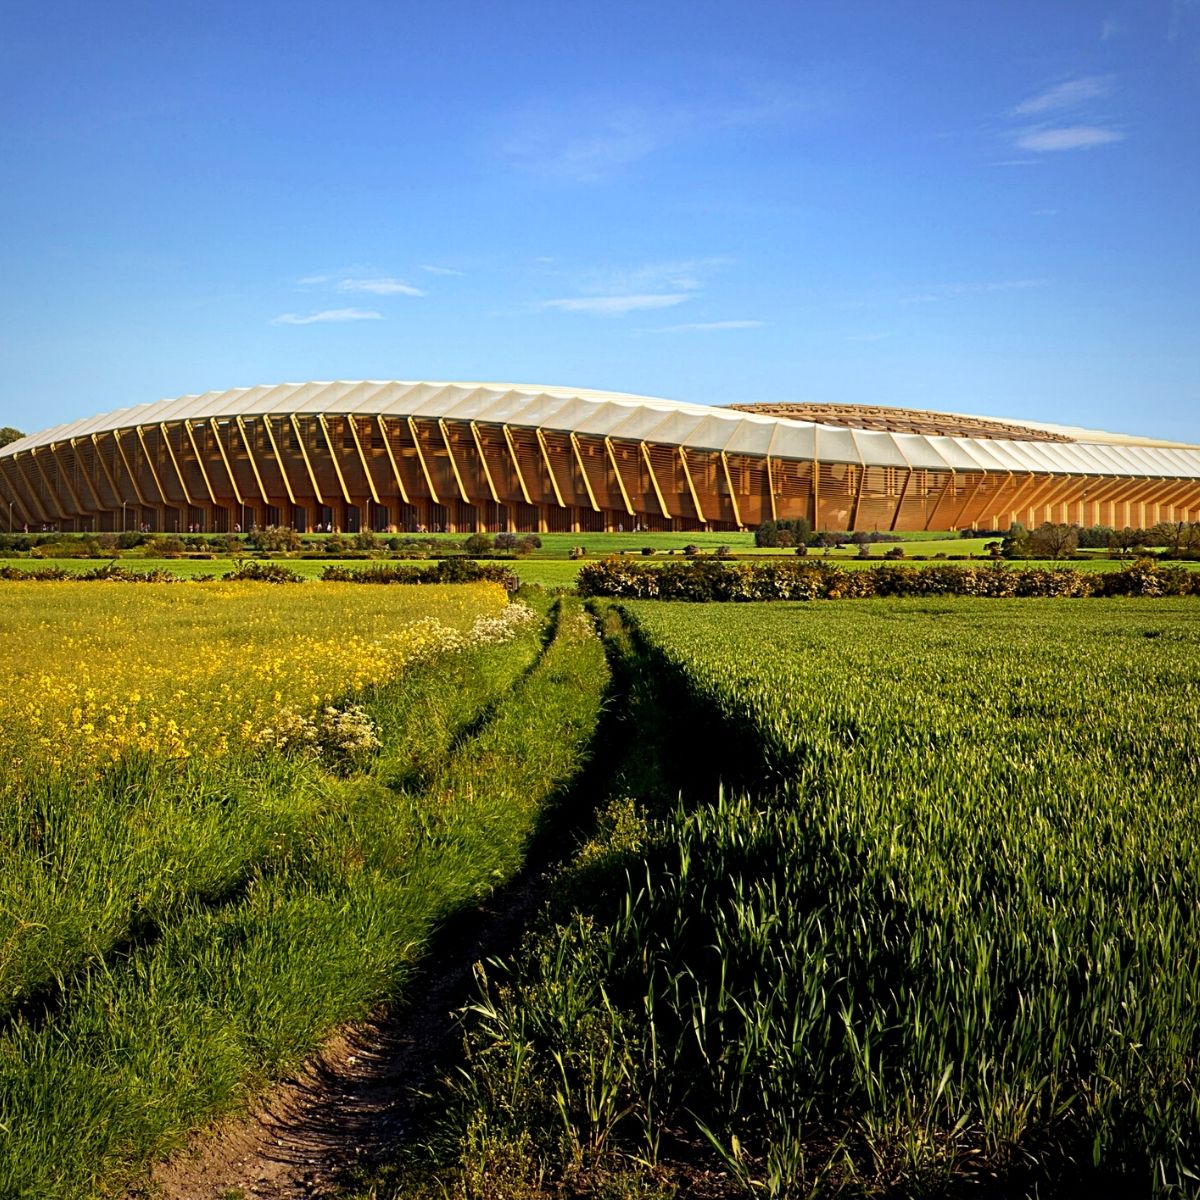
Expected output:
(143, 1047)
(347, 1103)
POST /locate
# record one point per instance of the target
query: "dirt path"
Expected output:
(350, 1106)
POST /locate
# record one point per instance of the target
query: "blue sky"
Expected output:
(987, 207)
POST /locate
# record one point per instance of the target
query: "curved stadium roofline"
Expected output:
(494, 456)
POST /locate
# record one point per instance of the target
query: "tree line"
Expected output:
(1175, 539)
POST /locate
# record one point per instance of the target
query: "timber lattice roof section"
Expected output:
(905, 420)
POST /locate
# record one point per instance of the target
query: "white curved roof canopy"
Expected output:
(644, 418)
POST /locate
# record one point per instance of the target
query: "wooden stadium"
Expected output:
(462, 457)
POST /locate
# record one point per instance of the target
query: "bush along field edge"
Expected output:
(714, 580)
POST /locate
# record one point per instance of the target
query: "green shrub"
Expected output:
(477, 544)
(447, 570)
(275, 538)
(264, 572)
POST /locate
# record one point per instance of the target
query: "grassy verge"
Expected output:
(155, 1041)
(530, 1111)
(132, 786)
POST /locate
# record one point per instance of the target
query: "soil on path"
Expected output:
(352, 1105)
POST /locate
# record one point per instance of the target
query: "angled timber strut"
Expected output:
(465, 457)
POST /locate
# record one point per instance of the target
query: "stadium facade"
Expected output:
(461, 457)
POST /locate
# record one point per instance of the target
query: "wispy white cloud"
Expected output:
(585, 147)
(616, 306)
(432, 270)
(313, 280)
(1180, 10)
(1069, 137)
(710, 326)
(949, 291)
(614, 291)
(1016, 162)
(379, 287)
(1066, 95)
(1046, 136)
(328, 314)
(1110, 27)
(676, 275)
(589, 139)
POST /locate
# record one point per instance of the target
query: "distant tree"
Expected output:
(785, 533)
(9, 434)
(1125, 540)
(1177, 537)
(275, 537)
(477, 543)
(1097, 537)
(1054, 541)
(1016, 542)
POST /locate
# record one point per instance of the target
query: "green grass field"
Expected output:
(939, 933)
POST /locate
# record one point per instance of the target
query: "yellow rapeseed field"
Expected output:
(89, 671)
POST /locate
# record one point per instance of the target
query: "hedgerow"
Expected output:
(448, 570)
(787, 580)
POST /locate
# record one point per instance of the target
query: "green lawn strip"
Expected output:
(1074, 564)
(152, 1046)
(549, 572)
